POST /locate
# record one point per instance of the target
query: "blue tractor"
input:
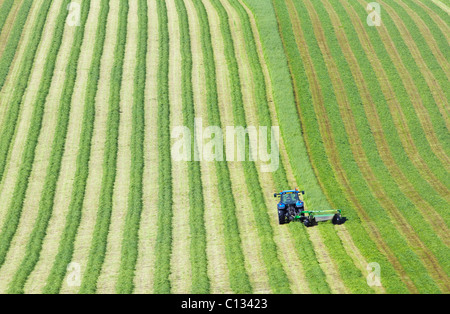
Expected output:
(292, 208)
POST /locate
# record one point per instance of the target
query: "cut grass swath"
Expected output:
(37, 235)
(430, 78)
(433, 164)
(199, 262)
(163, 246)
(4, 12)
(135, 203)
(66, 246)
(15, 209)
(13, 39)
(277, 277)
(239, 279)
(98, 246)
(9, 122)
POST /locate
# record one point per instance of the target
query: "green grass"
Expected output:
(66, 245)
(350, 274)
(38, 233)
(433, 67)
(13, 39)
(5, 9)
(291, 132)
(163, 248)
(415, 128)
(99, 240)
(372, 206)
(26, 65)
(278, 280)
(403, 204)
(198, 256)
(130, 242)
(239, 279)
(15, 209)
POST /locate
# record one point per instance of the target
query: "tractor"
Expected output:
(292, 208)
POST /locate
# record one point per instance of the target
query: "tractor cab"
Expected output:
(290, 205)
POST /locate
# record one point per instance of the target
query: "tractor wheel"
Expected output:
(337, 219)
(281, 217)
(307, 223)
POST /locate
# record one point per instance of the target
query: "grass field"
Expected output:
(95, 199)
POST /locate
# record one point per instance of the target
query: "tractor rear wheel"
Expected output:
(281, 217)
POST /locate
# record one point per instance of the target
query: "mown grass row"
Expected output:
(438, 10)
(428, 188)
(278, 280)
(417, 132)
(372, 206)
(415, 128)
(198, 256)
(101, 230)
(438, 74)
(10, 120)
(391, 133)
(135, 203)
(66, 245)
(34, 246)
(290, 130)
(239, 279)
(434, 28)
(319, 156)
(350, 274)
(259, 83)
(4, 12)
(388, 127)
(15, 209)
(163, 247)
(403, 204)
(13, 39)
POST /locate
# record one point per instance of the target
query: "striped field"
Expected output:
(94, 200)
